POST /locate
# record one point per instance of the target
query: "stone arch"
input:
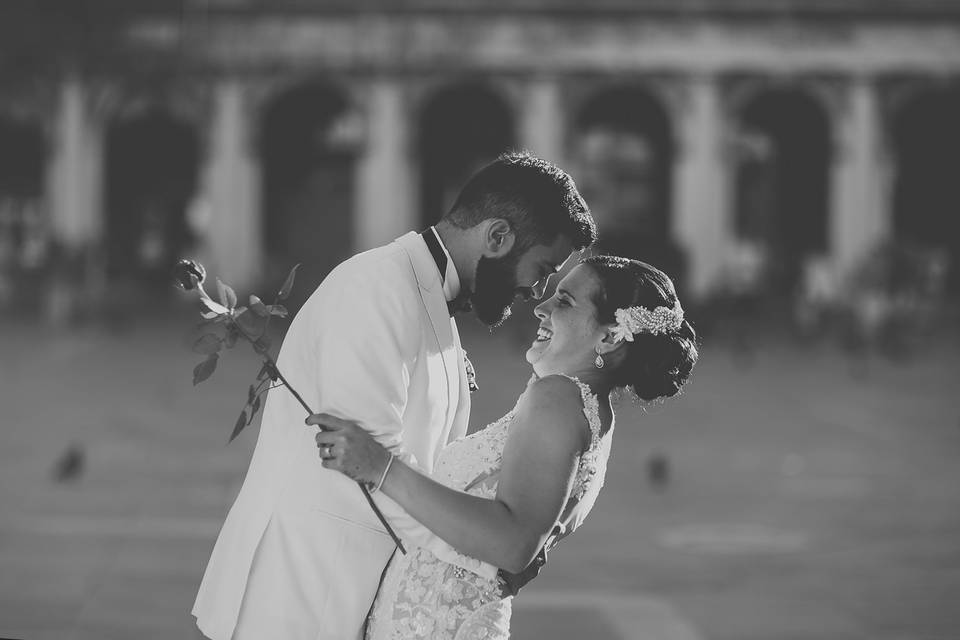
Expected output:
(307, 150)
(22, 157)
(623, 141)
(462, 127)
(926, 190)
(152, 159)
(24, 225)
(783, 151)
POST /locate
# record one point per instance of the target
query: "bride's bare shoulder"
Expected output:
(554, 402)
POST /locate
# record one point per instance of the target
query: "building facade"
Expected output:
(257, 134)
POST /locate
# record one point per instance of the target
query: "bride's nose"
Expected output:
(541, 310)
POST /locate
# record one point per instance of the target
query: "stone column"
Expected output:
(860, 200)
(702, 223)
(386, 184)
(75, 176)
(74, 197)
(542, 120)
(231, 189)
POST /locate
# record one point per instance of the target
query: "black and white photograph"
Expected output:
(479, 319)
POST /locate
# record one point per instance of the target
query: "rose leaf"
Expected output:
(208, 344)
(257, 306)
(288, 283)
(205, 369)
(241, 423)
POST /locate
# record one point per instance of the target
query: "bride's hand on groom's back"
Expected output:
(346, 447)
(511, 583)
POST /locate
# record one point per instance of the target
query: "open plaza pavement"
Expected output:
(794, 495)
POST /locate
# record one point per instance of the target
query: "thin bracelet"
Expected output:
(384, 476)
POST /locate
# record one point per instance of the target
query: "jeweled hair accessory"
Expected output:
(636, 320)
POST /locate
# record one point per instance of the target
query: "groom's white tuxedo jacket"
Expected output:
(301, 553)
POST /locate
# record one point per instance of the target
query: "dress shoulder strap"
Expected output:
(591, 410)
(590, 461)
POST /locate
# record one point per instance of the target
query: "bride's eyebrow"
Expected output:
(566, 293)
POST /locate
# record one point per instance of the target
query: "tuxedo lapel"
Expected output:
(431, 293)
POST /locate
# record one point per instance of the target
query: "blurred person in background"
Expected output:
(518, 486)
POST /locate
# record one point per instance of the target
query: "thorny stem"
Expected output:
(272, 367)
(270, 388)
(265, 386)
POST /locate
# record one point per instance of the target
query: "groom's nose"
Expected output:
(538, 289)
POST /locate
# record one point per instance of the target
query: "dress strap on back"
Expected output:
(591, 410)
(590, 463)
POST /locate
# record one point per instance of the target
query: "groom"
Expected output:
(301, 553)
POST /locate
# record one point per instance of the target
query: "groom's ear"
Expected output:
(498, 238)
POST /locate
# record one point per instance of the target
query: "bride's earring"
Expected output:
(598, 361)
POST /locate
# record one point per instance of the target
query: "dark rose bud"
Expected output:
(188, 274)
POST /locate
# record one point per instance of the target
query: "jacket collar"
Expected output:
(444, 327)
(425, 269)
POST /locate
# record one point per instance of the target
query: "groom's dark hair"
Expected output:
(537, 198)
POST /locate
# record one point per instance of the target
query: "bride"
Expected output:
(502, 494)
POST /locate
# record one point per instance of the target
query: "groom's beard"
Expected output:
(495, 289)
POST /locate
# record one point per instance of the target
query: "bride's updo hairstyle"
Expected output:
(656, 366)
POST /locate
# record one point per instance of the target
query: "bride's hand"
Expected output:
(347, 448)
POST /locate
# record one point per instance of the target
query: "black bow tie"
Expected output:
(461, 303)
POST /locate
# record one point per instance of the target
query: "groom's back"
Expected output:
(370, 289)
(296, 529)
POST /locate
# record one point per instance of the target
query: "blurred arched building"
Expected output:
(260, 133)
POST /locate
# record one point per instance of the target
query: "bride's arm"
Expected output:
(538, 468)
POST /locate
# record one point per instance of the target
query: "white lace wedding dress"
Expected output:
(424, 597)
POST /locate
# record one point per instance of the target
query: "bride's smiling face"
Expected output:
(569, 331)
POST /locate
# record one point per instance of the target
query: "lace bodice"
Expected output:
(472, 463)
(424, 597)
